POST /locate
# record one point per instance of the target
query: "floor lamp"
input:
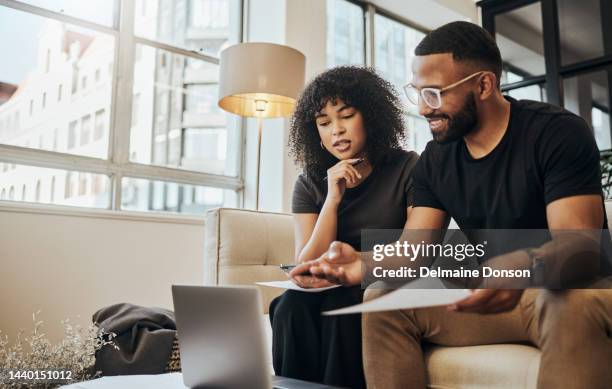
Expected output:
(260, 80)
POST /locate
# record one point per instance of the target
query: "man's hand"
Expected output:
(341, 264)
(488, 301)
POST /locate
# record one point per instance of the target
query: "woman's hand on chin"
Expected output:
(338, 176)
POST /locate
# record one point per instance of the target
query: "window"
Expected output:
(140, 195)
(48, 61)
(99, 126)
(97, 11)
(580, 78)
(55, 139)
(85, 130)
(173, 99)
(184, 96)
(346, 33)
(69, 187)
(82, 184)
(81, 51)
(206, 26)
(37, 192)
(519, 37)
(394, 44)
(72, 134)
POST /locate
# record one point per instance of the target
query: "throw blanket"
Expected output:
(146, 338)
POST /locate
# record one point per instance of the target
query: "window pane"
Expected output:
(519, 37)
(394, 48)
(206, 26)
(532, 92)
(345, 34)
(53, 186)
(580, 40)
(394, 52)
(418, 133)
(97, 11)
(50, 57)
(147, 195)
(175, 118)
(587, 96)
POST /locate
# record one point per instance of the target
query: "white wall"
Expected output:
(69, 265)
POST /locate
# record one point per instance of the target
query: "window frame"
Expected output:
(117, 164)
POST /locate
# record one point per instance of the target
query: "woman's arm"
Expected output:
(315, 232)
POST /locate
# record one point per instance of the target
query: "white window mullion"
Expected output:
(119, 145)
(54, 160)
(369, 35)
(177, 50)
(58, 16)
(189, 177)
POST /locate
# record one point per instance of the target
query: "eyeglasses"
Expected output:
(432, 96)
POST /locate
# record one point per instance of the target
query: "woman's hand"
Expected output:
(309, 282)
(338, 176)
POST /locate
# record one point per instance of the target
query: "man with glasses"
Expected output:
(494, 163)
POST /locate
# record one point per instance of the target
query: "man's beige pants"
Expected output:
(572, 328)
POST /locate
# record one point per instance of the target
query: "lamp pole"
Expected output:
(259, 130)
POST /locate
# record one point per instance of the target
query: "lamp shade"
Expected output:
(260, 79)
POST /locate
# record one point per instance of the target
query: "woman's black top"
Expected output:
(379, 202)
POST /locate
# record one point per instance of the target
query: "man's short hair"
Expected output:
(466, 42)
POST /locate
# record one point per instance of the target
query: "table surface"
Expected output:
(159, 381)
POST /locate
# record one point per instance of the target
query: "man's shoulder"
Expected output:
(543, 115)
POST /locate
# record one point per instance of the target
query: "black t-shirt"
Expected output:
(379, 202)
(546, 153)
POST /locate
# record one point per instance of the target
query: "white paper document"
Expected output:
(158, 381)
(290, 285)
(408, 298)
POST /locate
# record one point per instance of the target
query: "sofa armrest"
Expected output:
(243, 247)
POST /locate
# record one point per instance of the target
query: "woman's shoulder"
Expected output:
(307, 181)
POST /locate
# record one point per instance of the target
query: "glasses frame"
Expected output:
(436, 91)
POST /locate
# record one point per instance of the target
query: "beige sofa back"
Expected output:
(243, 247)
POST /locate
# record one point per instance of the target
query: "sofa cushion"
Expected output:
(497, 366)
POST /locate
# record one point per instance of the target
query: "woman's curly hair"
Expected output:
(359, 87)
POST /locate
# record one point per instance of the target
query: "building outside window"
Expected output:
(345, 33)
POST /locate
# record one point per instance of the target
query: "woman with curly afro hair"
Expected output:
(346, 133)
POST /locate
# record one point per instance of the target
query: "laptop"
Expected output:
(222, 340)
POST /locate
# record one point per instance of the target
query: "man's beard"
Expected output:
(460, 124)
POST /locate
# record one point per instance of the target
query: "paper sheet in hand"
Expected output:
(407, 298)
(290, 285)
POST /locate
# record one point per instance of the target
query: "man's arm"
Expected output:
(342, 264)
(575, 224)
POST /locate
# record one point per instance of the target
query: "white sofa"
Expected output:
(243, 247)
